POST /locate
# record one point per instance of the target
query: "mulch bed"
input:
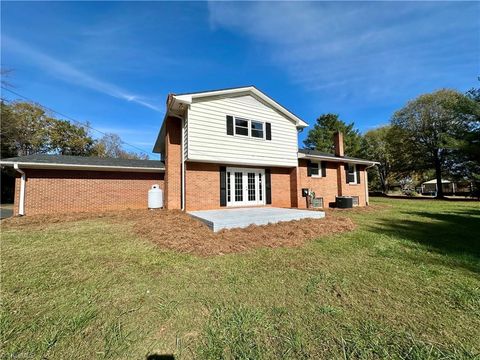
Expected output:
(176, 230)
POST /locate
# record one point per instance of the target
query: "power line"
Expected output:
(71, 119)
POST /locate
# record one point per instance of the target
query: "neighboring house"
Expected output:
(222, 148)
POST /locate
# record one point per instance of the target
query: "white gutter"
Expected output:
(183, 164)
(21, 203)
(35, 165)
(337, 159)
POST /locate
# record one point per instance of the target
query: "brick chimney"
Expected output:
(338, 141)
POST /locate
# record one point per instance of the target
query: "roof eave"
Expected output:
(188, 98)
(337, 159)
(55, 166)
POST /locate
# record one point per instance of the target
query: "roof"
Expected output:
(315, 154)
(179, 101)
(45, 161)
(434, 181)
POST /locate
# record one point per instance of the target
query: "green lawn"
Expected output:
(404, 284)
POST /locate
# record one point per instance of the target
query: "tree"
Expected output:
(110, 145)
(429, 129)
(7, 131)
(24, 128)
(320, 137)
(376, 146)
(66, 138)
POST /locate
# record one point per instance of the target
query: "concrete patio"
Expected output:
(243, 217)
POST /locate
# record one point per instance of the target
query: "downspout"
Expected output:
(367, 199)
(183, 164)
(21, 204)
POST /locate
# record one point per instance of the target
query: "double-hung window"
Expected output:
(315, 169)
(241, 126)
(256, 128)
(352, 174)
(250, 128)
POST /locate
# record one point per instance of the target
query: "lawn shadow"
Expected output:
(456, 233)
(160, 357)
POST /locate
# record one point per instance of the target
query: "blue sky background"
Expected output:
(113, 64)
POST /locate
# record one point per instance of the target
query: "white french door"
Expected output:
(245, 187)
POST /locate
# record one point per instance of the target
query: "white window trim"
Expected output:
(319, 163)
(249, 136)
(354, 173)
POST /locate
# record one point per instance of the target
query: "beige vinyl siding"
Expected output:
(208, 140)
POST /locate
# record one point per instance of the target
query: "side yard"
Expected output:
(402, 280)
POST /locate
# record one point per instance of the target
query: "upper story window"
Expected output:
(250, 128)
(256, 129)
(241, 126)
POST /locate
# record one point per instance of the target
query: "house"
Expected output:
(221, 148)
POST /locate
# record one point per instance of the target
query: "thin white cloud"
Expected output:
(357, 50)
(69, 73)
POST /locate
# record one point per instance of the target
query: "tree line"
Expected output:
(27, 128)
(434, 135)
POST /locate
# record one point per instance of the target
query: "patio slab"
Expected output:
(243, 217)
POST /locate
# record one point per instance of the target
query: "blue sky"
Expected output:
(113, 63)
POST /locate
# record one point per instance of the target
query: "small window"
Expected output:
(257, 129)
(352, 174)
(315, 169)
(241, 127)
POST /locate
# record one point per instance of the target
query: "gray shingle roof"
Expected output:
(319, 153)
(84, 161)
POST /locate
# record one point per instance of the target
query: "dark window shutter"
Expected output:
(268, 186)
(358, 175)
(309, 168)
(346, 172)
(268, 131)
(324, 168)
(223, 186)
(229, 125)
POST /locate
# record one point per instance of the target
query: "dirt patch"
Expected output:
(176, 230)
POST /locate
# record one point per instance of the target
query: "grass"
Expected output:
(405, 284)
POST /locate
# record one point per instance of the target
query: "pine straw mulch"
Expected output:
(177, 231)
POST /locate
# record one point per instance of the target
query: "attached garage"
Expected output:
(58, 184)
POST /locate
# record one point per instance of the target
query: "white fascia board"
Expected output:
(336, 159)
(187, 99)
(54, 166)
(241, 163)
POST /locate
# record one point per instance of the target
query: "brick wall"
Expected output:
(281, 190)
(173, 163)
(357, 189)
(58, 191)
(202, 186)
(328, 187)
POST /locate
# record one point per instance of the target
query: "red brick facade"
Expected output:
(332, 185)
(63, 191)
(173, 163)
(51, 191)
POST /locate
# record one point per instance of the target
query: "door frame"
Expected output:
(259, 186)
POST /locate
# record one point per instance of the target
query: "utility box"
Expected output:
(344, 202)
